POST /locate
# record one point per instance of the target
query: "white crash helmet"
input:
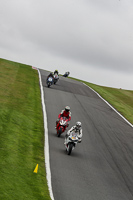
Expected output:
(78, 125)
(67, 108)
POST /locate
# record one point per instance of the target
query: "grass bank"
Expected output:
(21, 134)
(121, 100)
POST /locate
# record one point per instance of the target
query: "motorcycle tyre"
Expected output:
(55, 82)
(60, 132)
(49, 85)
(70, 148)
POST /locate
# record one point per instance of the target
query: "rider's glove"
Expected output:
(79, 141)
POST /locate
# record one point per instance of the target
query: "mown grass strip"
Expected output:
(21, 134)
(121, 100)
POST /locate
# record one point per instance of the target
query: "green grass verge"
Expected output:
(121, 100)
(21, 134)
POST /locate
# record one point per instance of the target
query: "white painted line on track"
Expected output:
(46, 144)
(110, 106)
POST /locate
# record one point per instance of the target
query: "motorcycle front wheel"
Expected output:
(60, 131)
(70, 146)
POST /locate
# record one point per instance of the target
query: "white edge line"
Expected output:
(110, 106)
(46, 143)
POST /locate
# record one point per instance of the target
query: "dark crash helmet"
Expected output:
(67, 108)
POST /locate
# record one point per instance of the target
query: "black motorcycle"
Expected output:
(56, 77)
(66, 74)
(49, 81)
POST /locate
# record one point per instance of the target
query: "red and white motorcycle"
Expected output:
(62, 125)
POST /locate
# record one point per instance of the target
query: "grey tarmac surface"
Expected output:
(101, 167)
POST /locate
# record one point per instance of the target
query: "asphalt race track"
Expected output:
(99, 168)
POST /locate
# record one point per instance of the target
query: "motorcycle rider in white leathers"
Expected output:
(77, 129)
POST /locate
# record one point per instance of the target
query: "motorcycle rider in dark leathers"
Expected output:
(56, 72)
(50, 75)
